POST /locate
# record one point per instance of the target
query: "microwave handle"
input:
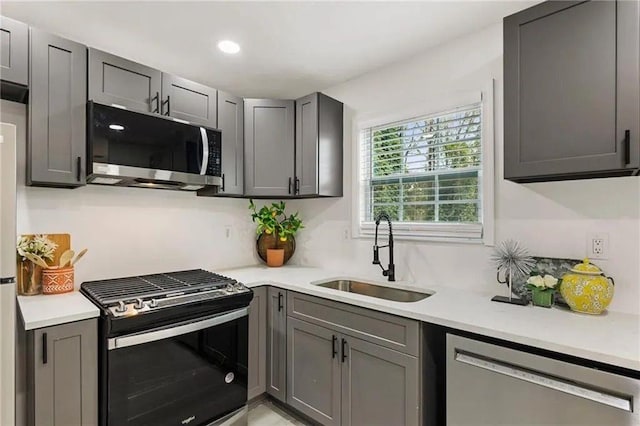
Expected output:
(205, 151)
(165, 333)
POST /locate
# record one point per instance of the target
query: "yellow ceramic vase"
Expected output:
(586, 289)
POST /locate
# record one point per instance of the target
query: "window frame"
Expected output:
(482, 233)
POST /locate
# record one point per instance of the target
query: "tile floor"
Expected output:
(265, 413)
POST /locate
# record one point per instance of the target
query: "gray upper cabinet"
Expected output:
(572, 90)
(188, 100)
(379, 386)
(231, 123)
(313, 373)
(63, 367)
(257, 359)
(120, 82)
(14, 51)
(57, 111)
(319, 146)
(269, 149)
(277, 343)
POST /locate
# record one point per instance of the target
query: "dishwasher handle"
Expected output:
(545, 380)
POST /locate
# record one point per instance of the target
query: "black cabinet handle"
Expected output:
(168, 103)
(297, 187)
(44, 348)
(334, 349)
(157, 99)
(289, 185)
(222, 183)
(344, 350)
(78, 168)
(280, 305)
(627, 146)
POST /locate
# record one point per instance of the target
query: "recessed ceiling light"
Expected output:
(228, 46)
(117, 127)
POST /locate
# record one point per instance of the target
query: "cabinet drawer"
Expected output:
(386, 330)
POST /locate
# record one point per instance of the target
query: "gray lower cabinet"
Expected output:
(119, 82)
(277, 343)
(187, 100)
(63, 374)
(231, 123)
(269, 149)
(257, 360)
(319, 134)
(14, 51)
(572, 90)
(57, 111)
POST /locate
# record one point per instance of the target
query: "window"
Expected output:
(427, 174)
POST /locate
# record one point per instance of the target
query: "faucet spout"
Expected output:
(390, 272)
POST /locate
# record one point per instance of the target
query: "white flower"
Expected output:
(550, 281)
(536, 281)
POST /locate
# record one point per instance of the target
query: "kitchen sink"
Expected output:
(373, 290)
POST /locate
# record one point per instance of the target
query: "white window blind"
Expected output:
(426, 173)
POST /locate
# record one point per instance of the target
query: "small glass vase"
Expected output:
(31, 279)
(542, 298)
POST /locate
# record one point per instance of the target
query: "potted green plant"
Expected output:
(542, 289)
(34, 251)
(276, 232)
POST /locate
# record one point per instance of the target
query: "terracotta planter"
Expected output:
(267, 241)
(275, 257)
(57, 281)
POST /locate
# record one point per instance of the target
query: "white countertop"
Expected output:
(47, 310)
(611, 338)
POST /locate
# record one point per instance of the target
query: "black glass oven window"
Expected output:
(133, 139)
(167, 382)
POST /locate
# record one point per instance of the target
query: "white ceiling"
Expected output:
(289, 49)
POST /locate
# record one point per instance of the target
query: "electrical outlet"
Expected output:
(227, 232)
(345, 234)
(598, 246)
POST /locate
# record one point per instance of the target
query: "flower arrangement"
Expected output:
(38, 245)
(542, 288)
(273, 220)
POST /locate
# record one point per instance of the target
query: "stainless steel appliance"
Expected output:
(127, 148)
(173, 349)
(495, 385)
(7, 272)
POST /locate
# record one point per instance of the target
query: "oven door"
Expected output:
(191, 373)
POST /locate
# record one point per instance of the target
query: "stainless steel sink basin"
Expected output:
(373, 290)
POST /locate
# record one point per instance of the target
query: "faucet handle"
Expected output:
(376, 258)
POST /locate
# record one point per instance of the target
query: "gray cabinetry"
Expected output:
(319, 133)
(14, 51)
(572, 90)
(277, 343)
(187, 100)
(119, 82)
(63, 378)
(314, 367)
(269, 147)
(257, 363)
(231, 123)
(57, 111)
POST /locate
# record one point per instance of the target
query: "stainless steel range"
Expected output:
(173, 349)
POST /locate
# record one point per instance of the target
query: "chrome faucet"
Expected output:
(391, 271)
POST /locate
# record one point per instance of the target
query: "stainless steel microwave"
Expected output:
(127, 148)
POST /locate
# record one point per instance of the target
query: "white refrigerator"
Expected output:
(7, 272)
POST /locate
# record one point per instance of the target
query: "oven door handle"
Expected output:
(165, 333)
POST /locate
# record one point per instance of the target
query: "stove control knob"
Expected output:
(152, 303)
(231, 288)
(139, 304)
(121, 308)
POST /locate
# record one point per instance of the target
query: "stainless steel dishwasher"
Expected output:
(494, 385)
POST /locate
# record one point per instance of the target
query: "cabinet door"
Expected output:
(231, 123)
(313, 371)
(14, 51)
(65, 377)
(257, 343)
(379, 386)
(57, 111)
(561, 67)
(277, 343)
(119, 82)
(269, 147)
(307, 145)
(187, 100)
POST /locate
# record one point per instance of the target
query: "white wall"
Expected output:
(132, 231)
(551, 219)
